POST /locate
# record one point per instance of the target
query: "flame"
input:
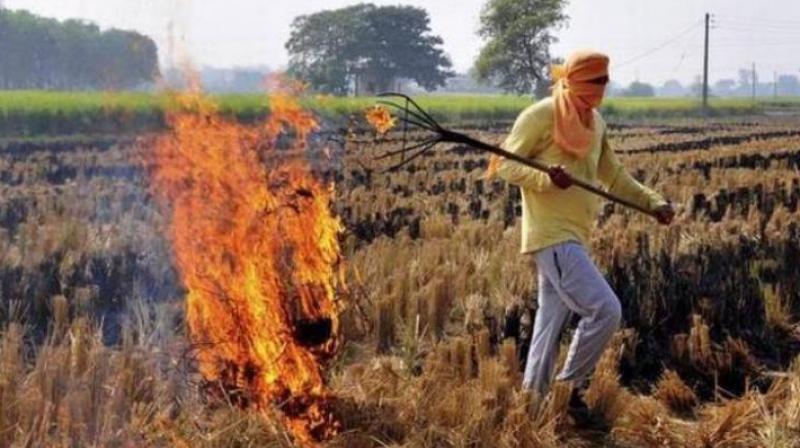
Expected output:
(380, 118)
(257, 249)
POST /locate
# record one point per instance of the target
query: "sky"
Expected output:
(651, 41)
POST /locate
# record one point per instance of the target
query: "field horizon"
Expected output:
(31, 114)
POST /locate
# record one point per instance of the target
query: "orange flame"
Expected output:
(257, 248)
(380, 118)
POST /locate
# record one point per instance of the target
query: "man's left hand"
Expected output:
(665, 214)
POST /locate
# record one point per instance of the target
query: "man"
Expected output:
(567, 133)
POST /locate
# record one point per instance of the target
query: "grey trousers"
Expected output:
(569, 282)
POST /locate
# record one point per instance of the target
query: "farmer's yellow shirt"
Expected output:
(551, 215)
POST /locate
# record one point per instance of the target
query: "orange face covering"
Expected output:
(575, 98)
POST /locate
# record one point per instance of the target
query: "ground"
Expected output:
(438, 300)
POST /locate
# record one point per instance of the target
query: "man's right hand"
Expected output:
(560, 177)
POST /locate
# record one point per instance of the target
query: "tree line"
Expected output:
(42, 53)
(367, 49)
(747, 85)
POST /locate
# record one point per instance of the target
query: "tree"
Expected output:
(519, 33)
(724, 87)
(322, 47)
(639, 89)
(788, 85)
(672, 88)
(696, 88)
(747, 78)
(40, 53)
(614, 89)
(329, 49)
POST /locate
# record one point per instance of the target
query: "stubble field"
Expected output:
(438, 305)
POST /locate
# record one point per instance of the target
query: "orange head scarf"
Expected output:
(575, 98)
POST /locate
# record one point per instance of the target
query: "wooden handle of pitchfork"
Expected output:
(456, 137)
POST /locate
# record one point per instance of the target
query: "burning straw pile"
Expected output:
(256, 245)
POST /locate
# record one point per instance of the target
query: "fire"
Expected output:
(256, 245)
(380, 118)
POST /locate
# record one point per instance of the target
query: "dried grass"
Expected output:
(461, 399)
(428, 301)
(605, 396)
(385, 325)
(699, 343)
(674, 393)
(778, 309)
(735, 424)
(646, 423)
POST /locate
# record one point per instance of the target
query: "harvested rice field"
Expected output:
(398, 311)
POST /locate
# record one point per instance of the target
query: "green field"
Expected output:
(39, 113)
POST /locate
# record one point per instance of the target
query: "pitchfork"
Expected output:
(413, 114)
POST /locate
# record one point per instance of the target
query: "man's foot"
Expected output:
(581, 415)
(577, 405)
(576, 399)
